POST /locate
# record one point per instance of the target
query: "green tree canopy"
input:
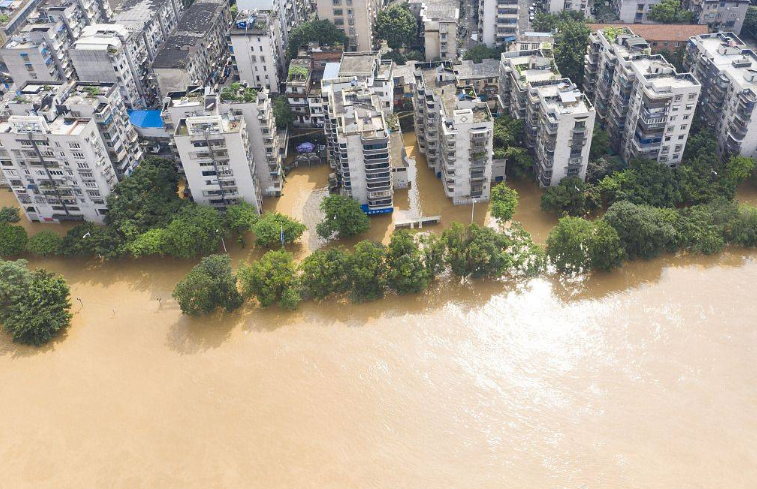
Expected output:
(480, 52)
(44, 243)
(9, 215)
(148, 198)
(503, 202)
(14, 282)
(88, 239)
(272, 280)
(367, 271)
(570, 46)
(644, 231)
(406, 268)
(569, 244)
(343, 217)
(240, 218)
(269, 226)
(42, 312)
(600, 143)
(476, 251)
(210, 285)
(644, 182)
(321, 31)
(670, 12)
(324, 272)
(12, 239)
(571, 196)
(151, 242)
(282, 112)
(196, 230)
(396, 25)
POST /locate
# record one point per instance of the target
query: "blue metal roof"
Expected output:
(145, 118)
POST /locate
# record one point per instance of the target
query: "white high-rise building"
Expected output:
(719, 15)
(357, 18)
(558, 118)
(438, 21)
(359, 146)
(91, 100)
(583, 6)
(497, 21)
(366, 69)
(255, 107)
(257, 49)
(287, 13)
(57, 168)
(217, 159)
(149, 21)
(644, 104)
(104, 53)
(727, 70)
(455, 131)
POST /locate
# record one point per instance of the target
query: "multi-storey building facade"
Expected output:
(29, 57)
(497, 21)
(358, 141)
(455, 130)
(357, 18)
(100, 102)
(262, 133)
(558, 118)
(583, 6)
(287, 13)
(727, 70)
(103, 53)
(633, 11)
(644, 104)
(256, 49)
(363, 68)
(149, 21)
(196, 52)
(438, 20)
(303, 85)
(57, 168)
(719, 16)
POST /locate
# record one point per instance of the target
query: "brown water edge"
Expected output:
(639, 378)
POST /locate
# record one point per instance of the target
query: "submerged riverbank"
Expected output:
(643, 377)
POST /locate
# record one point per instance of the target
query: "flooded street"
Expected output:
(643, 378)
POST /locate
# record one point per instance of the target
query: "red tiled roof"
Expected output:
(660, 32)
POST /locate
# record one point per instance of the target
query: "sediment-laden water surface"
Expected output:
(643, 378)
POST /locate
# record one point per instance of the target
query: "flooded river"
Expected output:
(643, 378)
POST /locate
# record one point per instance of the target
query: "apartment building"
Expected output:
(454, 129)
(727, 70)
(196, 52)
(558, 118)
(644, 104)
(661, 37)
(497, 21)
(267, 148)
(357, 18)
(583, 6)
(633, 11)
(363, 68)
(30, 56)
(438, 20)
(215, 152)
(150, 22)
(359, 147)
(287, 13)
(534, 41)
(100, 102)
(303, 84)
(103, 53)
(483, 77)
(719, 16)
(256, 47)
(57, 167)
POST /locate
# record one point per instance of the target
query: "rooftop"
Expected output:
(357, 108)
(441, 10)
(192, 29)
(731, 57)
(564, 98)
(136, 13)
(453, 97)
(357, 64)
(396, 147)
(252, 23)
(488, 68)
(146, 118)
(660, 32)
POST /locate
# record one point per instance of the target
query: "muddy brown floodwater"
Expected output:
(643, 378)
